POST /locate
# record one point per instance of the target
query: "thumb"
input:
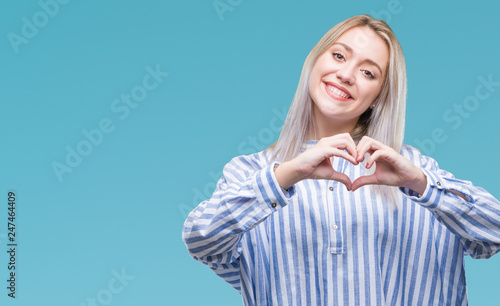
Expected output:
(341, 177)
(364, 180)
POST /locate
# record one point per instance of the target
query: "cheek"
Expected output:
(315, 76)
(313, 84)
(319, 69)
(371, 91)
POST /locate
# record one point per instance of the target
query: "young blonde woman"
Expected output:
(338, 211)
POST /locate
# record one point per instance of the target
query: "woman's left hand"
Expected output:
(392, 168)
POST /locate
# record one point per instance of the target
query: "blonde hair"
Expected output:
(384, 123)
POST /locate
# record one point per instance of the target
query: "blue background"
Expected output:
(230, 76)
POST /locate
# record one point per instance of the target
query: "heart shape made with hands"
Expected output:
(391, 168)
(364, 174)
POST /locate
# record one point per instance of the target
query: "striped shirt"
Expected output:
(319, 244)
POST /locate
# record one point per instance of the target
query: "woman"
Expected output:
(297, 224)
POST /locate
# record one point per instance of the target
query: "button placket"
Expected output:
(335, 228)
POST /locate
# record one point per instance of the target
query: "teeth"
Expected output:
(337, 91)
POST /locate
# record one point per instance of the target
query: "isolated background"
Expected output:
(231, 75)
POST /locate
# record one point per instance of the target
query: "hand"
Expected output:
(392, 168)
(316, 163)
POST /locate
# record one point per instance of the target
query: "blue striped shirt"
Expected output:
(319, 244)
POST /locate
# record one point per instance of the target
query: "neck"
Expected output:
(326, 127)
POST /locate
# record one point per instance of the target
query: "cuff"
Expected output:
(436, 187)
(269, 192)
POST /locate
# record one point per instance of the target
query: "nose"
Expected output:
(346, 75)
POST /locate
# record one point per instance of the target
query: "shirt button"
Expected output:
(438, 183)
(273, 205)
(335, 227)
(331, 188)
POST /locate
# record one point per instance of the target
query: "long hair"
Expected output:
(384, 123)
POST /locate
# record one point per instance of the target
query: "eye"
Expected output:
(338, 56)
(368, 74)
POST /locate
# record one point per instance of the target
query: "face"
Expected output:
(348, 76)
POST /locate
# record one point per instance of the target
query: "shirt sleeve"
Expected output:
(476, 220)
(245, 195)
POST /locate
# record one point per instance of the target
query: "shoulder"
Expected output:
(247, 164)
(417, 158)
(410, 152)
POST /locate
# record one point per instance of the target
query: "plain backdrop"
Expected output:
(212, 80)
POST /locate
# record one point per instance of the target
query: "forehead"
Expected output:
(366, 44)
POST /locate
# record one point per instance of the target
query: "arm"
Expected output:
(245, 195)
(466, 210)
(249, 191)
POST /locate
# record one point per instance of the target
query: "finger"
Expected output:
(350, 141)
(345, 136)
(362, 157)
(364, 140)
(367, 145)
(362, 147)
(378, 155)
(341, 177)
(343, 141)
(353, 148)
(364, 180)
(344, 155)
(353, 151)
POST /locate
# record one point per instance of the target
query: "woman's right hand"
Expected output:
(316, 162)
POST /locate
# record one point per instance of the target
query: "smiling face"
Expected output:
(346, 79)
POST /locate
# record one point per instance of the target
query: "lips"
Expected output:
(337, 92)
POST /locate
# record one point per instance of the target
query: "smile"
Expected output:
(337, 93)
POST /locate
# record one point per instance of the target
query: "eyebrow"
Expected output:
(369, 61)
